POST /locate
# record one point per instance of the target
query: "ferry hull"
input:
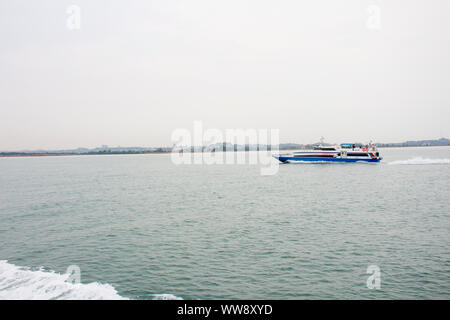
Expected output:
(311, 159)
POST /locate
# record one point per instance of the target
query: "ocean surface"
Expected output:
(141, 227)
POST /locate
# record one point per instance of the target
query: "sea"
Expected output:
(143, 227)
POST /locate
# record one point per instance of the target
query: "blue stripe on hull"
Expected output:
(284, 159)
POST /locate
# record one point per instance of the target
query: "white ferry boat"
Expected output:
(345, 152)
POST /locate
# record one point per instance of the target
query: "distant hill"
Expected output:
(216, 147)
(419, 143)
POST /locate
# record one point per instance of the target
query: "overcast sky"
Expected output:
(137, 70)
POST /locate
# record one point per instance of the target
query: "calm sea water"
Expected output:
(140, 227)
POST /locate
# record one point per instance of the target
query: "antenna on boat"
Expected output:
(322, 139)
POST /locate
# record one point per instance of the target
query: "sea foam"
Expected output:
(166, 296)
(420, 160)
(25, 284)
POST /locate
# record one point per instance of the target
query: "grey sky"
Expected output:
(137, 70)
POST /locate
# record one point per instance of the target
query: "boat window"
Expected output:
(314, 156)
(357, 154)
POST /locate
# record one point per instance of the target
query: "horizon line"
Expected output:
(130, 148)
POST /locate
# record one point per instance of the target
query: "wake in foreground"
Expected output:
(22, 283)
(420, 160)
(25, 284)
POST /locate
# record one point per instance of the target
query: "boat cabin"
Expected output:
(351, 146)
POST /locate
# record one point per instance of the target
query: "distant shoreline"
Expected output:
(18, 154)
(60, 154)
